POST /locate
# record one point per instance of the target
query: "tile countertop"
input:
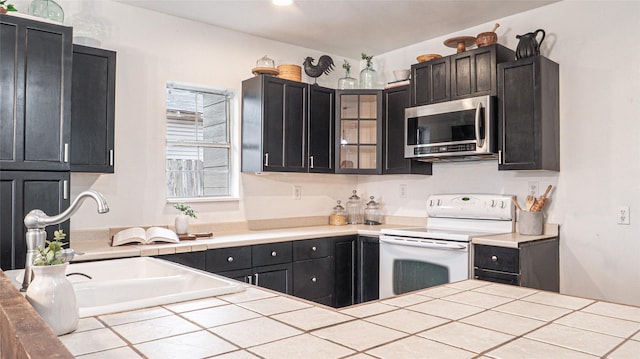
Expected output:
(467, 319)
(96, 249)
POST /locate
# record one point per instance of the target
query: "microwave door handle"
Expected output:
(479, 140)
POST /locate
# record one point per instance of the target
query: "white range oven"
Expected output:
(422, 257)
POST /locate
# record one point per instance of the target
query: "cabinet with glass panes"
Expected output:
(359, 131)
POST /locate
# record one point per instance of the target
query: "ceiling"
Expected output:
(346, 28)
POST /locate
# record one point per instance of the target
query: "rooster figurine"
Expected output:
(324, 66)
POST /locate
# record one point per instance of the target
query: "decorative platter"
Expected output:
(265, 71)
(460, 42)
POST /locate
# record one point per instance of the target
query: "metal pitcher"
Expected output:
(528, 45)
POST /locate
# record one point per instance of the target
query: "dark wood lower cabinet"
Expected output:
(191, 259)
(345, 261)
(368, 286)
(313, 279)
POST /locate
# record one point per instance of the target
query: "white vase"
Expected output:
(182, 223)
(52, 296)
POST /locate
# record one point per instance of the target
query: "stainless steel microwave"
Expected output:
(455, 130)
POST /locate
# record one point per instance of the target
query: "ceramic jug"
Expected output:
(528, 45)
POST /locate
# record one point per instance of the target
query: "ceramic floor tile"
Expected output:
(407, 321)
(138, 332)
(90, 323)
(250, 293)
(301, 346)
(91, 341)
(467, 284)
(575, 339)
(255, 332)
(240, 354)
(558, 300)
(367, 310)
(359, 335)
(503, 322)
(614, 310)
(523, 348)
(119, 353)
(466, 336)
(477, 299)
(438, 292)
(312, 318)
(629, 349)
(636, 337)
(510, 291)
(360, 356)
(415, 347)
(195, 305)
(134, 316)
(193, 345)
(221, 315)
(274, 305)
(601, 324)
(405, 300)
(533, 310)
(446, 309)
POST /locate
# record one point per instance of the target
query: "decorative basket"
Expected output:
(290, 72)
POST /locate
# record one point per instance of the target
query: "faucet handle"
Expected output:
(68, 254)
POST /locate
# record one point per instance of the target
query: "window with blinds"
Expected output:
(199, 148)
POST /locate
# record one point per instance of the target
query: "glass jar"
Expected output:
(47, 9)
(355, 209)
(265, 62)
(338, 215)
(368, 77)
(347, 82)
(372, 215)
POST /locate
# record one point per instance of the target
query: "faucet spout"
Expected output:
(36, 220)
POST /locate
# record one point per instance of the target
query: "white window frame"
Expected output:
(234, 140)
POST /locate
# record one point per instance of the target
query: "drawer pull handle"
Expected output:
(273, 254)
(494, 258)
(314, 248)
(313, 279)
(230, 259)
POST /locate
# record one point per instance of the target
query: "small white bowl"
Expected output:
(401, 75)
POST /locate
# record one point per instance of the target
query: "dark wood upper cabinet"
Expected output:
(528, 110)
(396, 100)
(431, 82)
(321, 130)
(35, 96)
(93, 109)
(473, 72)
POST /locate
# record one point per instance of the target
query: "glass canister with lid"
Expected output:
(355, 209)
(372, 214)
(338, 215)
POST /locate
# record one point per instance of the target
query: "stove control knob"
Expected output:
(502, 204)
(439, 203)
(493, 203)
(430, 203)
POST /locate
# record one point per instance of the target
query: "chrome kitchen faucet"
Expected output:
(36, 221)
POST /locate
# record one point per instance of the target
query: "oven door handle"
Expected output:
(423, 244)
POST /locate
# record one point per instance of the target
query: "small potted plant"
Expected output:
(50, 293)
(346, 82)
(182, 220)
(4, 7)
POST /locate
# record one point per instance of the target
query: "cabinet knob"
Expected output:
(313, 279)
(230, 259)
(273, 254)
(494, 258)
(313, 249)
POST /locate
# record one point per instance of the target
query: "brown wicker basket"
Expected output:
(290, 72)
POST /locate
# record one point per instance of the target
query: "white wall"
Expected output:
(593, 41)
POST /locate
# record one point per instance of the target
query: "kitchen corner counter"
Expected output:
(98, 249)
(467, 319)
(515, 239)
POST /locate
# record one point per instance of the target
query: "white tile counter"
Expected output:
(468, 319)
(515, 239)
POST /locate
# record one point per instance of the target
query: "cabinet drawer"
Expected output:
(497, 258)
(313, 278)
(312, 248)
(271, 253)
(226, 259)
(497, 277)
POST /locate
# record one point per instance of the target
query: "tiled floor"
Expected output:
(471, 319)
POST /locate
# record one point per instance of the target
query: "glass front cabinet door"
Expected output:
(359, 131)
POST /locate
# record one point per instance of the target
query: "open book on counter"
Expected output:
(139, 235)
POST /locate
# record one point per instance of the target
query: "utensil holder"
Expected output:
(530, 223)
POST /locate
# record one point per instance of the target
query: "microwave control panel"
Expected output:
(444, 149)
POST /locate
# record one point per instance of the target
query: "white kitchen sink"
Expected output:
(132, 283)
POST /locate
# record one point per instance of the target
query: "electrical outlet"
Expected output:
(623, 215)
(297, 192)
(532, 188)
(403, 191)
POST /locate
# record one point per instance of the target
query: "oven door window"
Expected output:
(410, 275)
(444, 127)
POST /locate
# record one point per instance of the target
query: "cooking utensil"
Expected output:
(541, 201)
(460, 42)
(516, 203)
(487, 38)
(531, 201)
